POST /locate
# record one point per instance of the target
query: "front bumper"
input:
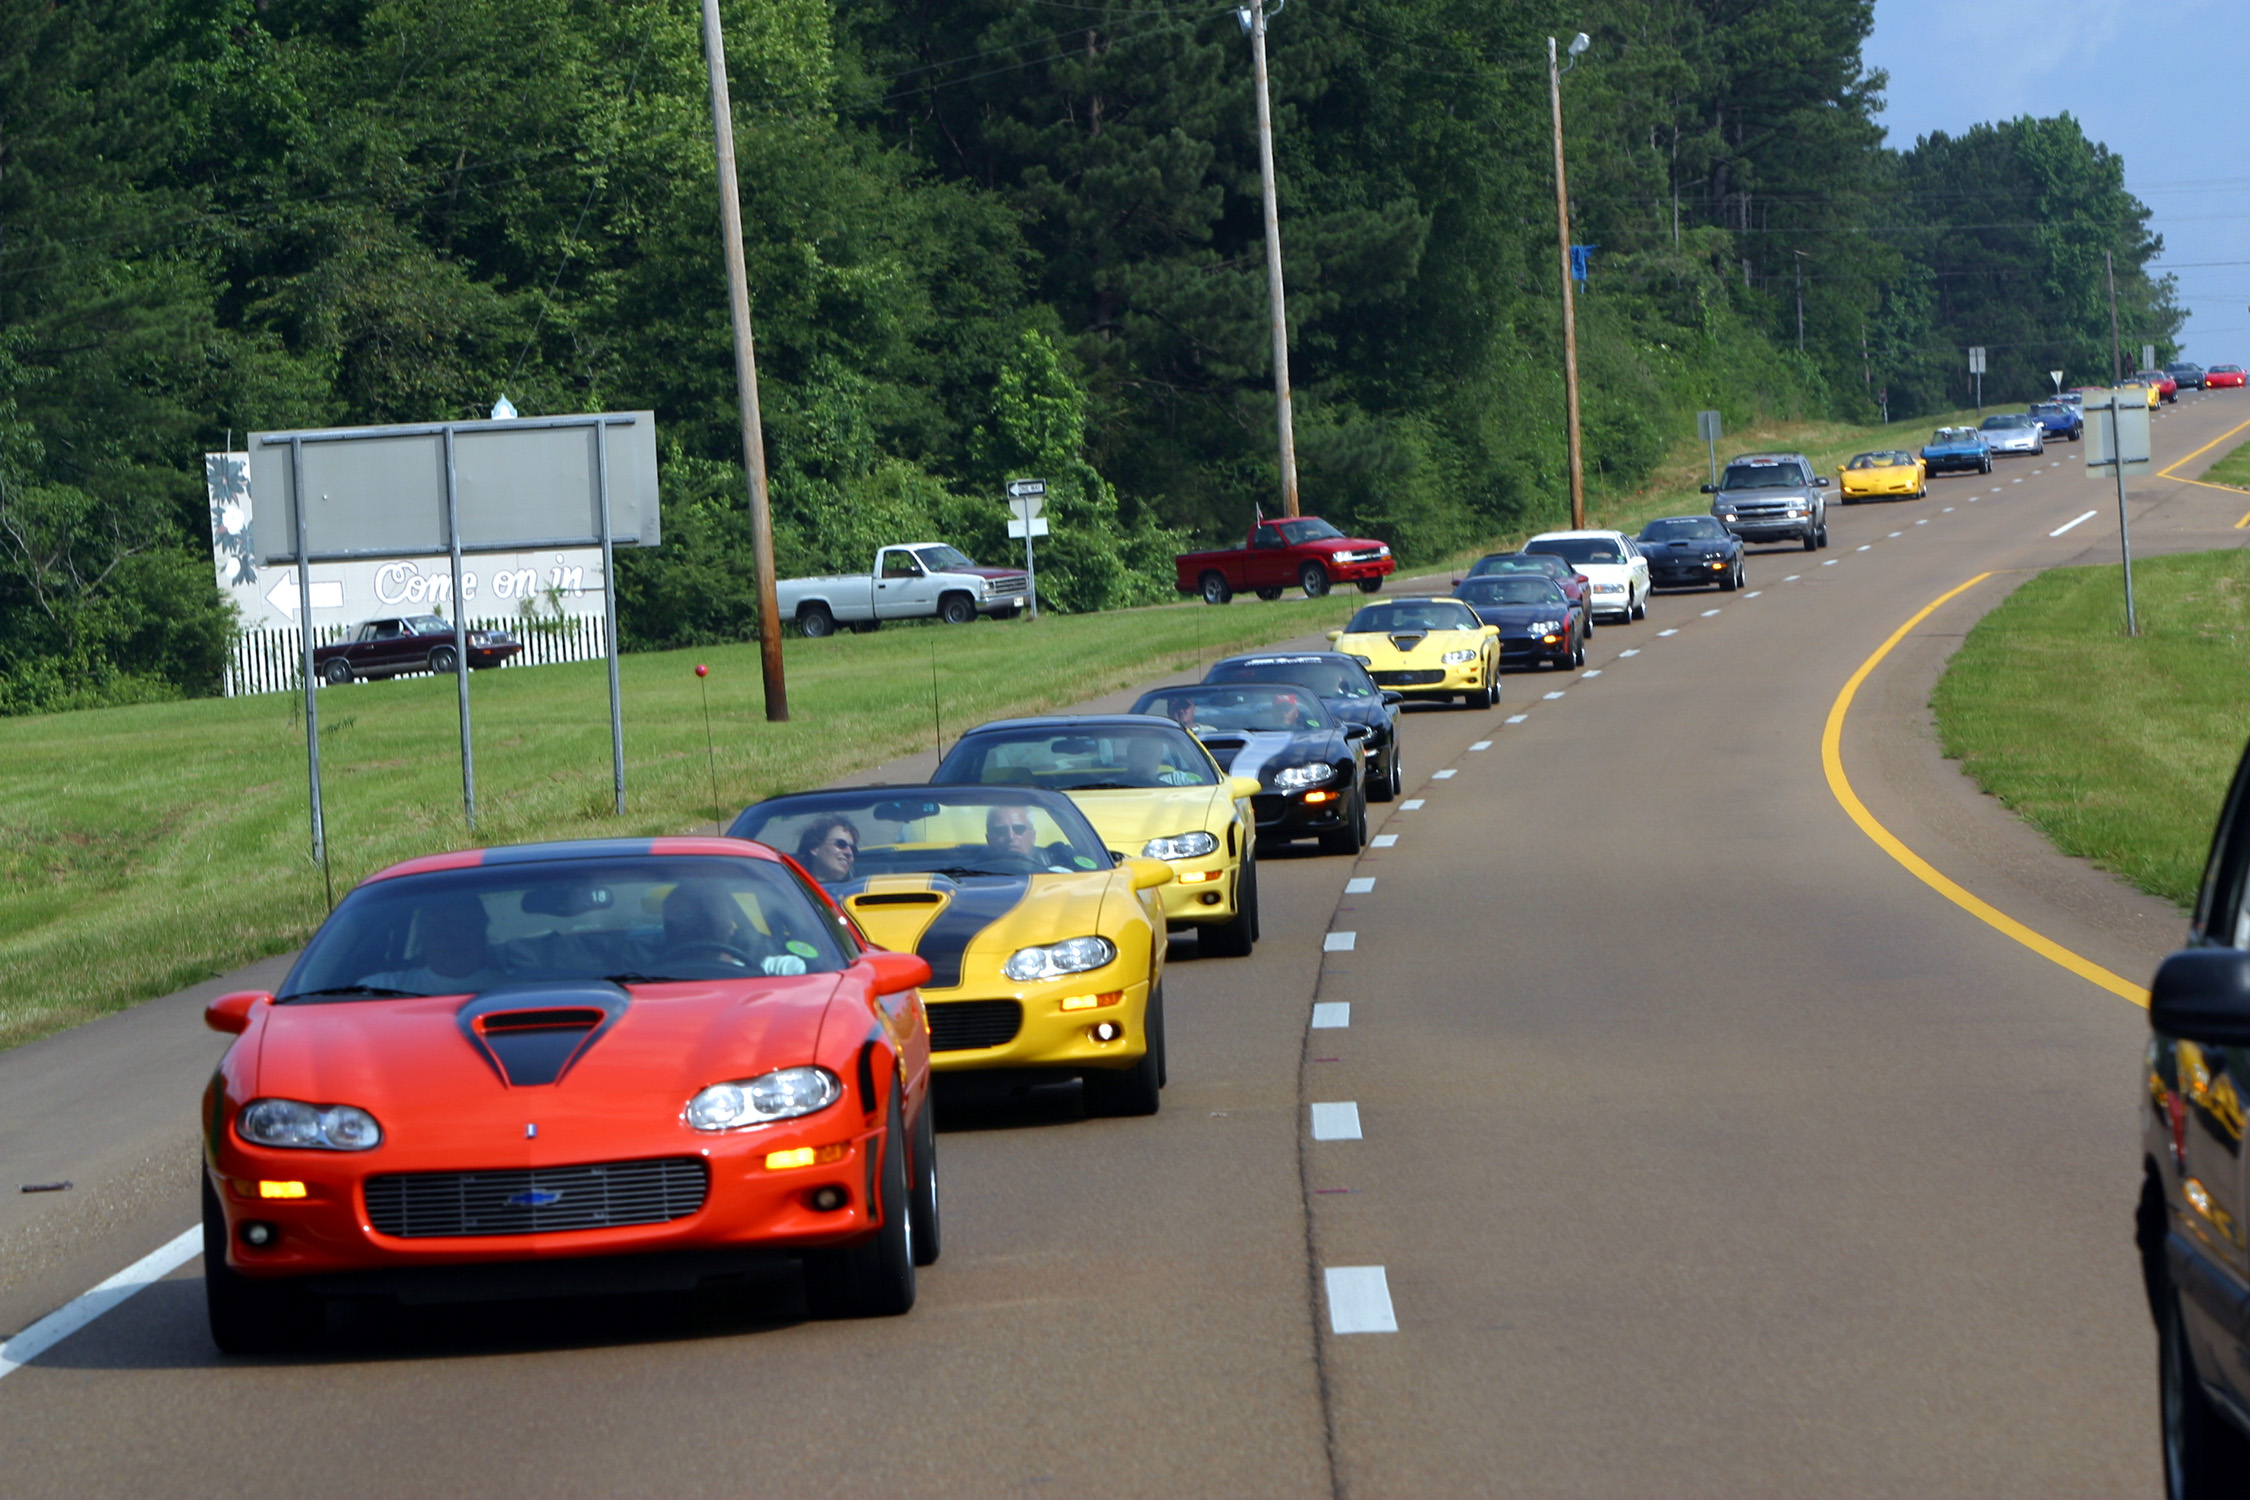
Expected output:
(1342, 571)
(1438, 682)
(1702, 573)
(1766, 526)
(1294, 815)
(1045, 1036)
(1953, 462)
(1526, 650)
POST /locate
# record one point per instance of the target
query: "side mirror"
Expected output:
(894, 972)
(1709, 489)
(1244, 786)
(1456, 583)
(1357, 731)
(1335, 635)
(1820, 483)
(2203, 995)
(1391, 699)
(1148, 874)
(231, 1013)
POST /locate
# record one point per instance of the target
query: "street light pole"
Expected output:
(1569, 303)
(745, 370)
(1253, 21)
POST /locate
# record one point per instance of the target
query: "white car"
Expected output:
(2015, 432)
(1615, 571)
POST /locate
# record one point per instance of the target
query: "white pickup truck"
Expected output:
(909, 582)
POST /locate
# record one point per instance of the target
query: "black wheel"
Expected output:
(1586, 623)
(1214, 589)
(1371, 585)
(1352, 837)
(1987, 467)
(1637, 611)
(1313, 579)
(1812, 541)
(1732, 581)
(1851, 499)
(874, 1278)
(926, 1232)
(957, 609)
(336, 672)
(1137, 1090)
(815, 621)
(2204, 1458)
(1385, 787)
(1234, 937)
(1398, 768)
(1269, 595)
(1823, 534)
(247, 1316)
(443, 659)
(1578, 653)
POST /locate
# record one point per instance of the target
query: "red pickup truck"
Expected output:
(1303, 550)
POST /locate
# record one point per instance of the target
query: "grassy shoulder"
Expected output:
(2232, 469)
(2118, 749)
(146, 848)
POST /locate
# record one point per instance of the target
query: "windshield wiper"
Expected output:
(635, 977)
(355, 991)
(1106, 786)
(967, 872)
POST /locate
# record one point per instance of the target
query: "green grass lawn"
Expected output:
(2232, 469)
(2118, 749)
(145, 848)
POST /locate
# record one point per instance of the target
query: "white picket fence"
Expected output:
(267, 661)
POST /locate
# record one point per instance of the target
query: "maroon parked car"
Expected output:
(1545, 565)
(416, 643)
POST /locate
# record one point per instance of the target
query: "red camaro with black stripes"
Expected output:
(616, 1065)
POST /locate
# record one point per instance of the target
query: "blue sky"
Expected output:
(2160, 82)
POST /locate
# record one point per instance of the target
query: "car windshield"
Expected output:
(942, 559)
(430, 625)
(844, 837)
(2001, 423)
(1767, 476)
(1545, 565)
(1888, 460)
(454, 932)
(1215, 708)
(1328, 679)
(1412, 615)
(1684, 529)
(1079, 757)
(1310, 529)
(2226, 369)
(2050, 409)
(1945, 435)
(1519, 589)
(1578, 549)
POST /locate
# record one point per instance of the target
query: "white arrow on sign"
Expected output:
(1018, 488)
(327, 593)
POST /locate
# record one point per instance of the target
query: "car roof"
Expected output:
(1078, 721)
(1768, 458)
(572, 849)
(1569, 536)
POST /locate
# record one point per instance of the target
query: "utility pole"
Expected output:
(745, 370)
(1800, 264)
(1253, 20)
(2116, 350)
(1569, 305)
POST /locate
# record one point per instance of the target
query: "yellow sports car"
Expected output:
(2153, 393)
(1887, 474)
(1151, 790)
(1426, 648)
(1045, 953)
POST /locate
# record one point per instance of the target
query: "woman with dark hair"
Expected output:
(829, 848)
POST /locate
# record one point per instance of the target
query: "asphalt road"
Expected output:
(1698, 1148)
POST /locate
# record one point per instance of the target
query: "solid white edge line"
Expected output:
(1359, 1300)
(1336, 1121)
(1331, 1015)
(83, 1309)
(2082, 520)
(1339, 942)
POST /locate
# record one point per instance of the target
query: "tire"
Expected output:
(1371, 585)
(248, 1316)
(1269, 595)
(1398, 768)
(1635, 611)
(1214, 589)
(1353, 836)
(1387, 788)
(1987, 467)
(1812, 540)
(1234, 937)
(2204, 1457)
(1578, 654)
(874, 1278)
(927, 1236)
(1849, 499)
(1313, 579)
(815, 621)
(444, 660)
(1137, 1090)
(1823, 535)
(957, 609)
(1732, 581)
(336, 672)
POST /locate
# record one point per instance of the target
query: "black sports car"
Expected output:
(1536, 620)
(1544, 565)
(1346, 691)
(1691, 552)
(1311, 771)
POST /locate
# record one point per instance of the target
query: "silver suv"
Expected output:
(1772, 497)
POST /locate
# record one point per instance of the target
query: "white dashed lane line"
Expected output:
(60, 1324)
(1551, 697)
(1923, 522)
(2067, 525)
(1707, 614)
(1754, 593)
(1517, 718)
(1661, 633)
(1339, 942)
(1359, 1300)
(1359, 885)
(1482, 745)
(1949, 510)
(1445, 775)
(1336, 1122)
(1595, 672)
(1894, 536)
(1331, 1015)
(1383, 840)
(1864, 547)
(1411, 804)
(1835, 560)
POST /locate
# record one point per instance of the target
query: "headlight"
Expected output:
(1293, 778)
(1382, 551)
(783, 1094)
(1541, 627)
(1070, 956)
(308, 1127)
(1180, 846)
(1365, 661)
(1609, 588)
(1456, 658)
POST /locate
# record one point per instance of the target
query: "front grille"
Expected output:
(606, 1195)
(965, 1025)
(1005, 588)
(1420, 677)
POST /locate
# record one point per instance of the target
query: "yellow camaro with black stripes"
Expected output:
(1046, 953)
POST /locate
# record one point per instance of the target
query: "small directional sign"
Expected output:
(1976, 359)
(2056, 377)
(1020, 488)
(1707, 426)
(1038, 526)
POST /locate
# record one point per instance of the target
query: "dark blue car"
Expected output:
(2062, 421)
(1956, 448)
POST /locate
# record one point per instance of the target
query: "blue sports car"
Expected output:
(2064, 422)
(1951, 448)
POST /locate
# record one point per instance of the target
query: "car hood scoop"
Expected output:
(532, 1034)
(1408, 640)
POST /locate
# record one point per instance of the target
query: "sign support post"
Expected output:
(2124, 536)
(2109, 443)
(305, 640)
(1707, 428)
(1976, 368)
(1027, 497)
(460, 634)
(609, 614)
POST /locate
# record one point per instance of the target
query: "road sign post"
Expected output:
(1026, 498)
(2148, 356)
(1707, 428)
(2119, 446)
(1976, 368)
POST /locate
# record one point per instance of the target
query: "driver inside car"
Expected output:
(1010, 834)
(702, 919)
